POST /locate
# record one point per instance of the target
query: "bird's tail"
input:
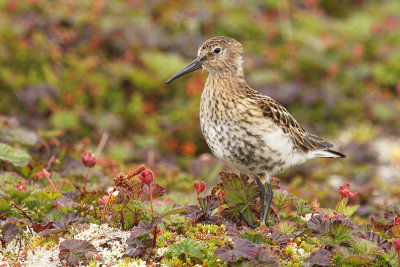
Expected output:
(327, 154)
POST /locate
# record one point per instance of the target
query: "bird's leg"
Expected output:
(270, 194)
(261, 190)
(249, 224)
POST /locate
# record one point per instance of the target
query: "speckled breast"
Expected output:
(236, 134)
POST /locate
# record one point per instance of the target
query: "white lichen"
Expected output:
(109, 242)
(42, 256)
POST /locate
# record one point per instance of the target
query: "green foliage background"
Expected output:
(92, 67)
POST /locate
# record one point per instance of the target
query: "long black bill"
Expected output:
(192, 66)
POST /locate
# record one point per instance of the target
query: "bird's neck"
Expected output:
(229, 80)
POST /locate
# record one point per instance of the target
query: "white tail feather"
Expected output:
(322, 154)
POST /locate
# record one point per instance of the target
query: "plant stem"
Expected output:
(52, 184)
(86, 178)
(54, 188)
(219, 207)
(338, 204)
(105, 206)
(122, 221)
(151, 198)
(398, 258)
(155, 237)
(197, 199)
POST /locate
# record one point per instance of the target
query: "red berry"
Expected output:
(199, 187)
(396, 244)
(89, 160)
(146, 176)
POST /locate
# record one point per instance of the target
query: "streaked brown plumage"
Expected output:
(251, 132)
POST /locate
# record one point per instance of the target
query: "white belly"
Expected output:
(255, 147)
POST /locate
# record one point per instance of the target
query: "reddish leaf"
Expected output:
(268, 257)
(392, 212)
(231, 230)
(137, 247)
(140, 239)
(321, 257)
(37, 227)
(144, 227)
(156, 191)
(74, 251)
(208, 204)
(278, 237)
(380, 227)
(194, 213)
(317, 225)
(8, 232)
(240, 248)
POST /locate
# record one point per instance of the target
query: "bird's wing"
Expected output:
(302, 140)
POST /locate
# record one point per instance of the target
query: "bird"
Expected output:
(249, 131)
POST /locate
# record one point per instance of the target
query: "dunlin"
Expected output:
(249, 131)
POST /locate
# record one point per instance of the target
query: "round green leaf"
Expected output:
(15, 156)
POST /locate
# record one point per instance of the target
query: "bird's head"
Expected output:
(215, 55)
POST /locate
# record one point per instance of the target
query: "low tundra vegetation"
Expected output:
(54, 211)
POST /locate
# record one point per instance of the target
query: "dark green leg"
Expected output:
(261, 190)
(270, 194)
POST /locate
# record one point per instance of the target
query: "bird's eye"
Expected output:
(217, 50)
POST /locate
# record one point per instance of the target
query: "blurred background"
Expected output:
(86, 70)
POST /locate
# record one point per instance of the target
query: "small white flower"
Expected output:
(160, 251)
(307, 217)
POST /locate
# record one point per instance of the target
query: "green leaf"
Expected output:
(240, 193)
(302, 206)
(51, 195)
(54, 215)
(135, 204)
(358, 260)
(286, 227)
(4, 206)
(173, 211)
(9, 177)
(342, 205)
(19, 135)
(349, 210)
(15, 156)
(282, 198)
(396, 230)
(366, 247)
(351, 257)
(188, 247)
(341, 231)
